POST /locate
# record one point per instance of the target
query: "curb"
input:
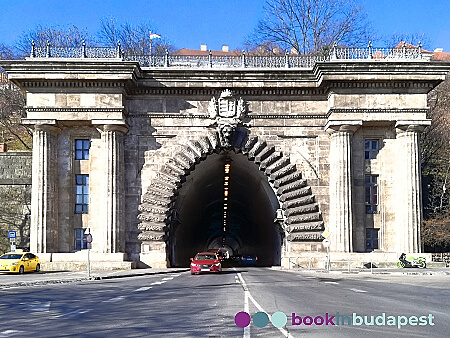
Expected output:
(395, 273)
(83, 279)
(138, 274)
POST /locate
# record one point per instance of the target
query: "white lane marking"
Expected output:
(247, 296)
(79, 311)
(145, 288)
(246, 306)
(178, 274)
(357, 290)
(168, 278)
(7, 333)
(331, 282)
(157, 283)
(39, 307)
(113, 300)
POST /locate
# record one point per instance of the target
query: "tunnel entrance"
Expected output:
(235, 213)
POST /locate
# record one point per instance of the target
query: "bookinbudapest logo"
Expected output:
(279, 319)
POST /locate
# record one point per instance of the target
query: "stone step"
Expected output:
(146, 217)
(290, 199)
(291, 187)
(252, 140)
(264, 154)
(152, 236)
(280, 164)
(305, 237)
(298, 196)
(157, 200)
(153, 226)
(257, 148)
(271, 159)
(213, 140)
(304, 218)
(289, 169)
(173, 167)
(303, 209)
(308, 226)
(153, 210)
(297, 175)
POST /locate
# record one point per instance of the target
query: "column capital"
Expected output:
(113, 127)
(349, 126)
(416, 126)
(53, 129)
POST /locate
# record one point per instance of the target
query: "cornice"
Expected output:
(249, 116)
(72, 84)
(378, 111)
(238, 91)
(74, 110)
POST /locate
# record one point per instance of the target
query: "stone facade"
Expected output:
(156, 155)
(15, 197)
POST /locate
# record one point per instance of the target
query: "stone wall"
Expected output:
(15, 198)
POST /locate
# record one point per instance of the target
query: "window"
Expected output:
(82, 149)
(82, 194)
(371, 239)
(371, 188)
(80, 239)
(371, 148)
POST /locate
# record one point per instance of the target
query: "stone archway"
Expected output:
(302, 217)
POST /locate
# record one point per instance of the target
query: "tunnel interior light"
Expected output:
(225, 199)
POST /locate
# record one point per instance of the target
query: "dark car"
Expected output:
(248, 260)
(206, 262)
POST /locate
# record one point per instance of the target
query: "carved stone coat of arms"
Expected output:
(228, 113)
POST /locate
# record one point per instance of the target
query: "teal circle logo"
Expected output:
(260, 319)
(278, 319)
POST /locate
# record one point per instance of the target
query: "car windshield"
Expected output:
(11, 256)
(203, 257)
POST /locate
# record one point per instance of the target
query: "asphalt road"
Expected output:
(181, 305)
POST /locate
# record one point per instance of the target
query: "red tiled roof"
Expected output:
(410, 46)
(440, 56)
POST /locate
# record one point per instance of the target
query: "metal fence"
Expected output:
(243, 60)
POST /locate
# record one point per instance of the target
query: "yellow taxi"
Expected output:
(19, 262)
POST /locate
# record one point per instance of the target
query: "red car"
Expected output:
(206, 262)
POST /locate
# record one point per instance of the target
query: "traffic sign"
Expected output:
(89, 238)
(11, 234)
(326, 243)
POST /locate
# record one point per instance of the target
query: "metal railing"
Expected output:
(243, 60)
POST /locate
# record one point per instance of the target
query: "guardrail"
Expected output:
(230, 61)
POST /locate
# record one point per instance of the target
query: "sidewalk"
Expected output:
(379, 271)
(60, 277)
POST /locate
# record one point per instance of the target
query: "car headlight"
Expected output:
(14, 263)
(193, 264)
(217, 264)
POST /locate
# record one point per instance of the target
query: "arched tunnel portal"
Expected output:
(246, 226)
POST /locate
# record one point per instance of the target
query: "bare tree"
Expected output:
(308, 26)
(12, 131)
(411, 38)
(70, 36)
(435, 142)
(134, 39)
(14, 215)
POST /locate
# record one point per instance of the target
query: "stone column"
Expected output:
(341, 182)
(409, 189)
(113, 189)
(44, 191)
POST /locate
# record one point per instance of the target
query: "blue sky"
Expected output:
(189, 23)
